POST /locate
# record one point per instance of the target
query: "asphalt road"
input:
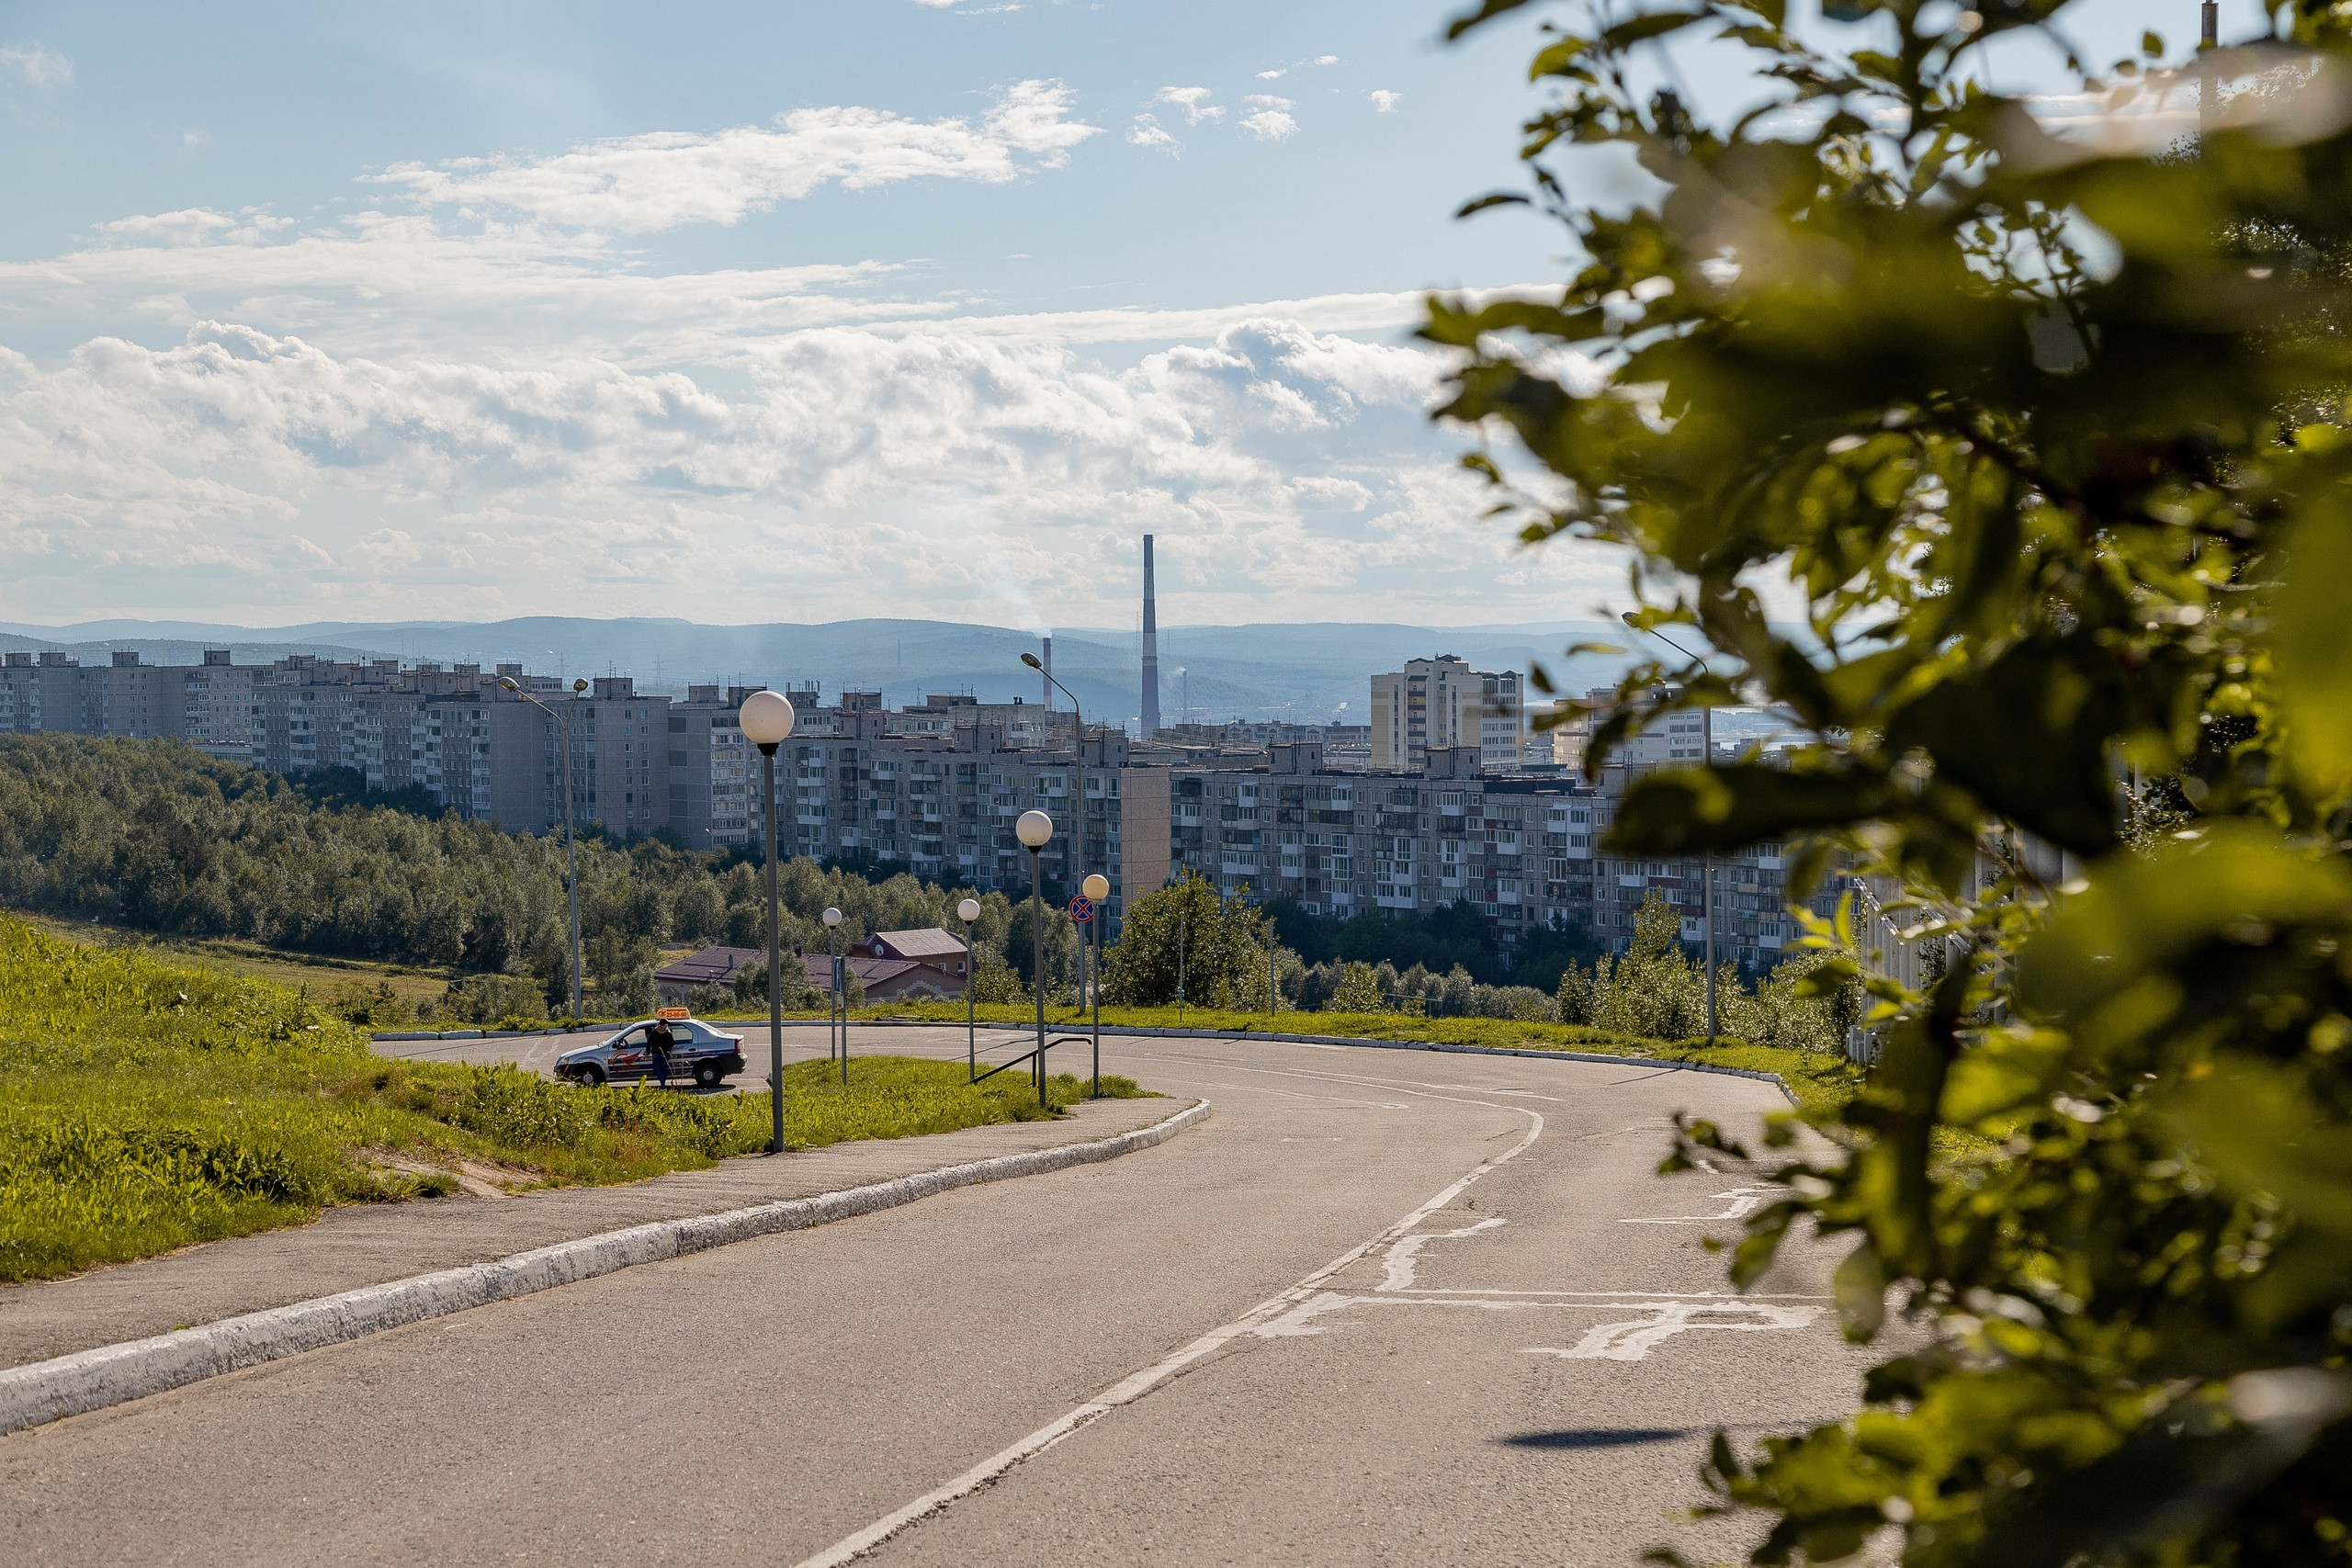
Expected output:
(1384, 1307)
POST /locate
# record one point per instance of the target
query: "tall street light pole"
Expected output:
(1035, 829)
(1097, 890)
(838, 1018)
(1707, 863)
(766, 718)
(967, 911)
(571, 850)
(1077, 766)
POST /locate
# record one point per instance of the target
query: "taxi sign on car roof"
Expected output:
(674, 1012)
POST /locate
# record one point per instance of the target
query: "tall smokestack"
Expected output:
(1150, 647)
(1045, 675)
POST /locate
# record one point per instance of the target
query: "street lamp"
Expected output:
(571, 851)
(1035, 829)
(1078, 765)
(767, 720)
(1706, 862)
(1097, 889)
(967, 911)
(840, 1010)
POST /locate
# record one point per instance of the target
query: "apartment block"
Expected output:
(1442, 705)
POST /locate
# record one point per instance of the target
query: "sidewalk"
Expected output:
(368, 1244)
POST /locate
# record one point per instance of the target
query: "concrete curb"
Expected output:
(111, 1374)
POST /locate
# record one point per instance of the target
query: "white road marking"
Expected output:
(1743, 1200)
(1134, 1387)
(1634, 1341)
(1400, 1258)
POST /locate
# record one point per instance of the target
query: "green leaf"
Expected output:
(1861, 1294)
(2238, 885)
(2055, 707)
(1711, 810)
(1656, 23)
(2312, 655)
(1486, 12)
(1493, 199)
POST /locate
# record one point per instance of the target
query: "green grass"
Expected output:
(145, 1105)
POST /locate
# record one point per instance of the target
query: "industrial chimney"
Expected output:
(1046, 673)
(1150, 647)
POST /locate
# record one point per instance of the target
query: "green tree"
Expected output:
(2048, 439)
(1359, 991)
(1216, 945)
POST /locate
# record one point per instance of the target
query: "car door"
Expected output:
(630, 1058)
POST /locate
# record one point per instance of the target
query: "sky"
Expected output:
(767, 312)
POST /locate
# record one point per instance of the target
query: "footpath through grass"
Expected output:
(144, 1106)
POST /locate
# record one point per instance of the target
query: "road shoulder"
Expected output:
(352, 1247)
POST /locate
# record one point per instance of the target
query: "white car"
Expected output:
(705, 1054)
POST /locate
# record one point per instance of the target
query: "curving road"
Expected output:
(1382, 1307)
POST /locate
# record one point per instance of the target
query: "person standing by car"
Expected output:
(658, 1042)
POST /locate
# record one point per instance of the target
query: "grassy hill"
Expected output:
(145, 1105)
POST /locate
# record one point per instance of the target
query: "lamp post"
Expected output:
(967, 911)
(1098, 889)
(1706, 862)
(1077, 766)
(837, 1015)
(767, 720)
(571, 850)
(1035, 829)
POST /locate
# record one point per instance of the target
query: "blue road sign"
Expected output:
(1082, 909)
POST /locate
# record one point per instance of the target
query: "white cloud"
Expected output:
(1147, 131)
(1385, 101)
(39, 67)
(1191, 101)
(1273, 122)
(1325, 60)
(637, 183)
(851, 472)
(1272, 75)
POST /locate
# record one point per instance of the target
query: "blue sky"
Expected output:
(747, 312)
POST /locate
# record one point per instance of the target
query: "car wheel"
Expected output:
(592, 1075)
(706, 1074)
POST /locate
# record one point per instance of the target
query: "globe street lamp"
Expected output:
(571, 851)
(766, 719)
(967, 911)
(1035, 829)
(1706, 862)
(1097, 888)
(840, 1010)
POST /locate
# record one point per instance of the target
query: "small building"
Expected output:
(677, 979)
(930, 945)
(887, 979)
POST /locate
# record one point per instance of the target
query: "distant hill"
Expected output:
(1279, 670)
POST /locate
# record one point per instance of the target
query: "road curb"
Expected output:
(112, 1375)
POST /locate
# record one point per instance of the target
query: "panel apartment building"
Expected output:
(1519, 850)
(1442, 705)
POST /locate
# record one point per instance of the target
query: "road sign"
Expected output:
(1082, 909)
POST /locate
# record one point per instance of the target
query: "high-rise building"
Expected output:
(1442, 705)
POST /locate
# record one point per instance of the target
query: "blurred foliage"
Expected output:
(2045, 428)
